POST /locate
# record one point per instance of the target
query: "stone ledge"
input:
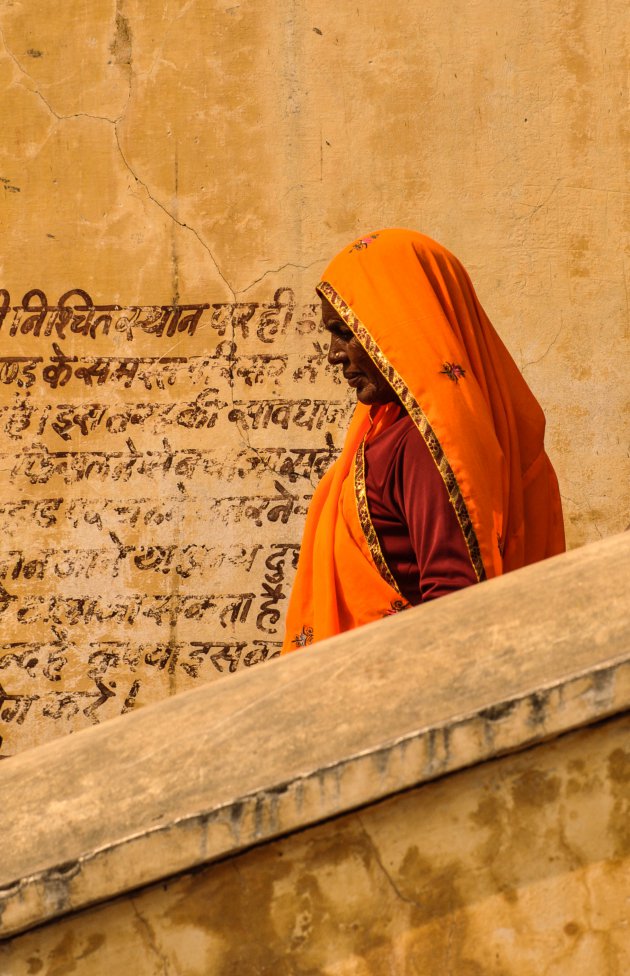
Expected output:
(211, 772)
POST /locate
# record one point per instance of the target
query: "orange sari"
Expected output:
(413, 308)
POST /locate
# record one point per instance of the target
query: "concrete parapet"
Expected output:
(207, 774)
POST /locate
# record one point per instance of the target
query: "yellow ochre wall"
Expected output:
(514, 867)
(156, 462)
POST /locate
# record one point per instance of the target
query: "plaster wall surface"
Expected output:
(173, 179)
(516, 866)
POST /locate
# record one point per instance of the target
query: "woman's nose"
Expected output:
(336, 351)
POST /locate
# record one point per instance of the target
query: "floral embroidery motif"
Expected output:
(396, 607)
(454, 371)
(363, 242)
(419, 418)
(304, 638)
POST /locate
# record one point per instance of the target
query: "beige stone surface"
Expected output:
(153, 491)
(514, 867)
(206, 774)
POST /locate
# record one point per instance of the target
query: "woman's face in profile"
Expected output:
(357, 367)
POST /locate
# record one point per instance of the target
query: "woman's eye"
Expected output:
(338, 331)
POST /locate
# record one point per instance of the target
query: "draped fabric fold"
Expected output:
(413, 308)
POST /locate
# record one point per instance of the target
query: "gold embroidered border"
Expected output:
(416, 413)
(365, 519)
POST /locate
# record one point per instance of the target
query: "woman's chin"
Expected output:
(367, 397)
(372, 396)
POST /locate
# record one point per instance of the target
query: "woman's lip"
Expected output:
(353, 378)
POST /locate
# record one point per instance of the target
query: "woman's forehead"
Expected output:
(328, 312)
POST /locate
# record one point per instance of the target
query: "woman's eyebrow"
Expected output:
(336, 324)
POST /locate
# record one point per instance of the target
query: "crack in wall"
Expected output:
(115, 122)
(534, 362)
(387, 875)
(36, 91)
(283, 267)
(169, 214)
(538, 206)
(151, 941)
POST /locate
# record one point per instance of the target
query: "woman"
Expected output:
(443, 480)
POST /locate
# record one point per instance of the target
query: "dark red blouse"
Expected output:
(420, 537)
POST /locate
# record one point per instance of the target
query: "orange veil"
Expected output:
(413, 308)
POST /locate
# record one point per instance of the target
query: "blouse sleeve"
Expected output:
(436, 537)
